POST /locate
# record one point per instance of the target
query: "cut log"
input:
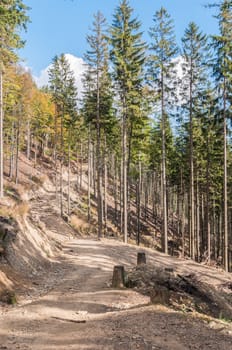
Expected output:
(160, 295)
(141, 258)
(118, 280)
(230, 258)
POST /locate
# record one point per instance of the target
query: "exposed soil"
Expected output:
(75, 308)
(67, 302)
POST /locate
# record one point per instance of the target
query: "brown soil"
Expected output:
(67, 302)
(75, 308)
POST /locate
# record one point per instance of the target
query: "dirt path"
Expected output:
(72, 305)
(83, 312)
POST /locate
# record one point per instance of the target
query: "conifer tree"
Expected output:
(223, 74)
(195, 51)
(98, 98)
(12, 18)
(163, 50)
(63, 89)
(128, 56)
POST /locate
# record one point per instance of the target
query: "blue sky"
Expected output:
(60, 26)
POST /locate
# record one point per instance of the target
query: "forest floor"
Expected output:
(68, 302)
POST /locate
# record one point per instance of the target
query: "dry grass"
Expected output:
(6, 211)
(80, 226)
(39, 180)
(21, 209)
(16, 210)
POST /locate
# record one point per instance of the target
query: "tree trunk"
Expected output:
(81, 166)
(124, 159)
(99, 170)
(105, 194)
(138, 188)
(61, 163)
(69, 176)
(116, 192)
(191, 194)
(1, 133)
(89, 177)
(55, 153)
(17, 149)
(164, 186)
(225, 196)
(208, 228)
(121, 196)
(28, 139)
(197, 221)
(12, 149)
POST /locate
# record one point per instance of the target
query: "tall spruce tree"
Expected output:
(195, 52)
(13, 16)
(223, 74)
(96, 96)
(64, 92)
(128, 56)
(161, 66)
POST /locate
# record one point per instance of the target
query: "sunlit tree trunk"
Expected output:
(69, 151)
(89, 177)
(225, 196)
(164, 178)
(1, 133)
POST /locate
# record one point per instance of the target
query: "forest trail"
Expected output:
(83, 312)
(74, 307)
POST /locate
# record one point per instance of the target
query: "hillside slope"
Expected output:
(62, 284)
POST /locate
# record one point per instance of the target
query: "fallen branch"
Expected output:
(68, 320)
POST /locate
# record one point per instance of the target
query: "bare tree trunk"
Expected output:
(94, 170)
(36, 151)
(203, 239)
(55, 153)
(225, 196)
(197, 221)
(61, 163)
(138, 200)
(81, 166)
(99, 159)
(182, 214)
(115, 192)
(220, 238)
(191, 193)
(102, 201)
(164, 185)
(28, 139)
(121, 196)
(208, 228)
(12, 149)
(17, 149)
(124, 160)
(105, 194)
(69, 176)
(89, 177)
(1, 133)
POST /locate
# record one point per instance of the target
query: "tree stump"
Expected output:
(230, 259)
(160, 295)
(141, 258)
(169, 269)
(118, 280)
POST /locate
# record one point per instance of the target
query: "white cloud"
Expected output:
(42, 79)
(77, 65)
